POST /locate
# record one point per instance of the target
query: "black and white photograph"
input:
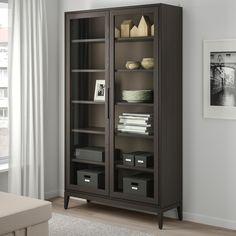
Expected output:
(99, 93)
(222, 77)
(219, 79)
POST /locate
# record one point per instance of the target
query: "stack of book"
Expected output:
(138, 123)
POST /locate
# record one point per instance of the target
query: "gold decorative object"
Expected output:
(152, 30)
(132, 65)
(134, 31)
(117, 33)
(147, 63)
(144, 27)
(125, 28)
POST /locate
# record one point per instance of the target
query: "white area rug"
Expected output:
(62, 225)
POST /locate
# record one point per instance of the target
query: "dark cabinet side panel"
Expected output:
(170, 110)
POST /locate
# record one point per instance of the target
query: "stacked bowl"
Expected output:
(137, 95)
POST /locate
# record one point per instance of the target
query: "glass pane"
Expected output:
(133, 96)
(88, 119)
(88, 28)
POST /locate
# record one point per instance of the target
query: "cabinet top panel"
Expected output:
(122, 8)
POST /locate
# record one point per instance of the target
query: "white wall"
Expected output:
(209, 149)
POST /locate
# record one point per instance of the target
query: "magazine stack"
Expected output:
(138, 123)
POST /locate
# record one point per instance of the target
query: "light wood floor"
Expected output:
(136, 221)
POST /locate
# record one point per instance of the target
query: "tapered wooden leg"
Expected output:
(66, 200)
(160, 220)
(180, 212)
(88, 201)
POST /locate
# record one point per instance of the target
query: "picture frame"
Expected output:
(99, 92)
(219, 79)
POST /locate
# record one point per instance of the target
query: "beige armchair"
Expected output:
(23, 216)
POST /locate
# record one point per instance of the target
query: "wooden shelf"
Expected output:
(87, 102)
(117, 133)
(134, 39)
(90, 130)
(121, 166)
(123, 103)
(130, 71)
(98, 40)
(88, 162)
(88, 70)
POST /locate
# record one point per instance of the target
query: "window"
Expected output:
(4, 133)
(4, 112)
(3, 93)
(3, 73)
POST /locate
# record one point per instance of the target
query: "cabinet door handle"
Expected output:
(108, 103)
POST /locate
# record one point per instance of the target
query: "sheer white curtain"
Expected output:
(27, 91)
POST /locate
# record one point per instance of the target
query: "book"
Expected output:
(134, 117)
(134, 131)
(135, 122)
(135, 128)
(138, 114)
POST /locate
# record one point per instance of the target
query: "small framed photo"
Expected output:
(219, 71)
(99, 93)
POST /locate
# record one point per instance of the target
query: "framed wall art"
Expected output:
(219, 74)
(99, 93)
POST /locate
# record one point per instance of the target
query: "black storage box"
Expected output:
(128, 159)
(90, 153)
(141, 184)
(91, 178)
(144, 159)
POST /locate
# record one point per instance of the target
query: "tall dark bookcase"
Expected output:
(93, 53)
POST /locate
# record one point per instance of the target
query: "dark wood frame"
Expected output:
(167, 112)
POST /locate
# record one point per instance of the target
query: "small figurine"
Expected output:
(152, 30)
(144, 27)
(117, 33)
(134, 31)
(125, 28)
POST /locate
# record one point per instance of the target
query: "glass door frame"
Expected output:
(68, 129)
(135, 11)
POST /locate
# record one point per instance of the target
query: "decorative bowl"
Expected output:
(137, 95)
(147, 63)
(132, 65)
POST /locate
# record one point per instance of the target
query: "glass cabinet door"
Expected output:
(87, 119)
(133, 77)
